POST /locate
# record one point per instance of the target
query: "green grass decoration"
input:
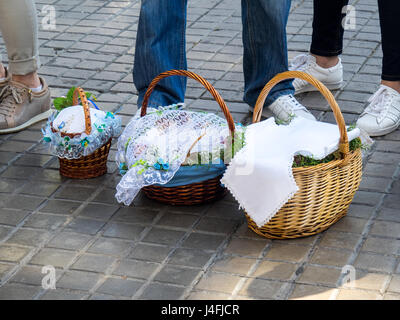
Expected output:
(64, 102)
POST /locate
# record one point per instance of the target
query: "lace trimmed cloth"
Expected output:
(152, 148)
(105, 125)
(260, 176)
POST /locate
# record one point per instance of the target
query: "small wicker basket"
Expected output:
(195, 193)
(92, 165)
(325, 190)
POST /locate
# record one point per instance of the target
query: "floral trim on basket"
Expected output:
(105, 125)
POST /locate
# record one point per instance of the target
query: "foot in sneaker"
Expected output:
(382, 115)
(286, 107)
(332, 77)
(21, 108)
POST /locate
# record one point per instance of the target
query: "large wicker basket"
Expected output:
(325, 190)
(92, 165)
(195, 193)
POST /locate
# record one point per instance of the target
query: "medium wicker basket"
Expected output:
(92, 165)
(195, 193)
(325, 190)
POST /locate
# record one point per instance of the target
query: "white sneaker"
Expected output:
(382, 115)
(332, 77)
(286, 107)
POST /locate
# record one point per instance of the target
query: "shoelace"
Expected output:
(378, 105)
(11, 95)
(300, 62)
(293, 104)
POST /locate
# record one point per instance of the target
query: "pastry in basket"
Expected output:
(79, 135)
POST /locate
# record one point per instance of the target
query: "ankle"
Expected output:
(30, 80)
(392, 84)
(2, 71)
(326, 62)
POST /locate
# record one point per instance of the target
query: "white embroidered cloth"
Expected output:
(260, 175)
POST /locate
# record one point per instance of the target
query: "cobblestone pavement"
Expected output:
(102, 250)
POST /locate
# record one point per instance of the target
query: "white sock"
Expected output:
(2, 79)
(37, 89)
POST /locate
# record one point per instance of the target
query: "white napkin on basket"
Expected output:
(260, 175)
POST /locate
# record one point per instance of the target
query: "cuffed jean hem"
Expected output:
(24, 67)
(390, 77)
(325, 53)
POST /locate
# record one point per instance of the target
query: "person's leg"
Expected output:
(160, 46)
(18, 24)
(265, 47)
(25, 99)
(389, 13)
(382, 115)
(327, 36)
(323, 62)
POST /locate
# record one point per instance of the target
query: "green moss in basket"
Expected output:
(64, 102)
(302, 161)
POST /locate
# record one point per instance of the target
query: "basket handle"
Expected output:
(344, 141)
(79, 93)
(200, 79)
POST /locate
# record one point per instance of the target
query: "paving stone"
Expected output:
(163, 236)
(216, 225)
(320, 275)
(30, 275)
(21, 202)
(135, 215)
(340, 240)
(292, 253)
(246, 247)
(135, 269)
(381, 245)
(275, 270)
(10, 185)
(27, 237)
(86, 226)
(177, 275)
(389, 215)
(94, 263)
(353, 294)
(62, 294)
(360, 211)
(368, 281)
(5, 268)
(161, 291)
(348, 224)
(44, 221)
(4, 231)
(233, 264)
(98, 211)
(69, 240)
(12, 254)
(375, 262)
(391, 296)
(203, 241)
(260, 288)
(16, 291)
(190, 257)
(74, 193)
(311, 292)
(123, 231)
(332, 257)
(60, 207)
(206, 295)
(53, 257)
(120, 287)
(78, 280)
(44, 189)
(386, 228)
(177, 220)
(218, 282)
(394, 285)
(108, 246)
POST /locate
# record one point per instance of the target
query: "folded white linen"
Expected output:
(260, 175)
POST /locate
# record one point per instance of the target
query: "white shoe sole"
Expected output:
(27, 124)
(383, 132)
(310, 88)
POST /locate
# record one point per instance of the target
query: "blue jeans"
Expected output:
(161, 46)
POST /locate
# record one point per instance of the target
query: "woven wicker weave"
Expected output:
(195, 193)
(325, 190)
(89, 166)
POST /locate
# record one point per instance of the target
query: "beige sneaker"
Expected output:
(4, 82)
(21, 108)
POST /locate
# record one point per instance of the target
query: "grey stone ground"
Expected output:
(150, 251)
